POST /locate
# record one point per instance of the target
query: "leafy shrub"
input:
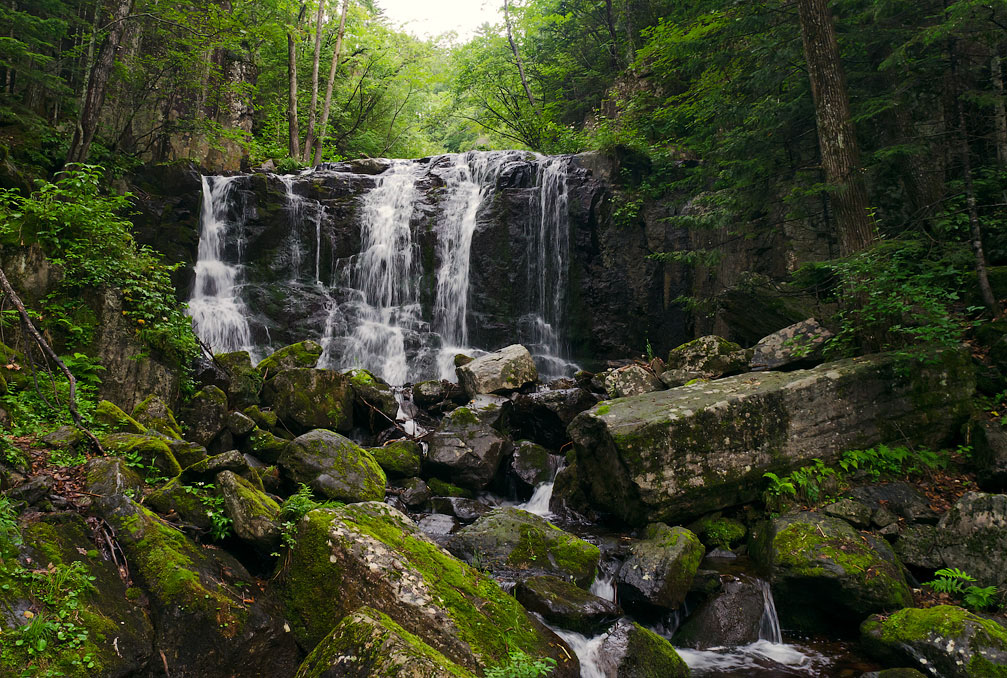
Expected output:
(522, 665)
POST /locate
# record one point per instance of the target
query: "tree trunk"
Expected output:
(999, 108)
(94, 94)
(306, 156)
(836, 134)
(295, 133)
(328, 88)
(517, 57)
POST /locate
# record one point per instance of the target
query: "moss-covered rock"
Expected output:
(942, 641)
(254, 515)
(531, 465)
(209, 620)
(442, 488)
(566, 605)
(264, 419)
(306, 399)
(824, 572)
(730, 618)
(181, 502)
(466, 450)
(110, 477)
(301, 354)
(709, 357)
(243, 381)
(263, 445)
(660, 567)
(147, 449)
(503, 371)
(370, 554)
(114, 419)
(509, 540)
(399, 458)
(631, 651)
(675, 455)
(63, 438)
(240, 424)
(630, 381)
(208, 468)
(186, 453)
(374, 401)
(154, 413)
(717, 531)
(369, 644)
(58, 577)
(205, 416)
(334, 467)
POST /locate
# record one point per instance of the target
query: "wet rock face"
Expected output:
(674, 455)
(941, 641)
(825, 573)
(565, 605)
(631, 651)
(733, 617)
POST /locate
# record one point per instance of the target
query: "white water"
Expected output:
(604, 587)
(588, 651)
(219, 316)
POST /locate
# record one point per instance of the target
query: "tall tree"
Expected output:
(333, 67)
(836, 134)
(294, 132)
(312, 112)
(517, 57)
(97, 84)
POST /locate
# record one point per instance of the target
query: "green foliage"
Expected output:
(521, 665)
(220, 522)
(296, 507)
(951, 580)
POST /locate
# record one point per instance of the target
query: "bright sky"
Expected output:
(428, 18)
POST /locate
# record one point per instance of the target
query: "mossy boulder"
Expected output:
(630, 381)
(415, 493)
(368, 643)
(730, 618)
(531, 465)
(799, 345)
(263, 445)
(371, 554)
(208, 468)
(674, 455)
(825, 573)
(186, 453)
(243, 381)
(111, 477)
(442, 488)
(265, 419)
(205, 416)
(709, 357)
(56, 573)
(181, 502)
(466, 450)
(63, 438)
(660, 567)
(501, 372)
(719, 532)
(254, 515)
(209, 618)
(306, 399)
(631, 651)
(399, 458)
(147, 449)
(154, 413)
(334, 467)
(942, 641)
(972, 536)
(509, 541)
(566, 605)
(301, 354)
(240, 424)
(373, 400)
(114, 419)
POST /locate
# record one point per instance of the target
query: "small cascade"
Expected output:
(604, 587)
(219, 315)
(769, 627)
(588, 651)
(302, 211)
(540, 498)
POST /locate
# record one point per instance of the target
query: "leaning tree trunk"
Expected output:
(333, 67)
(309, 139)
(97, 84)
(517, 58)
(836, 135)
(294, 144)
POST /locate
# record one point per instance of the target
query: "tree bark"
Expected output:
(1000, 109)
(295, 134)
(517, 57)
(333, 67)
(97, 84)
(312, 113)
(836, 134)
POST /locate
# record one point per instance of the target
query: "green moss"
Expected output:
(361, 378)
(151, 451)
(114, 419)
(718, 532)
(266, 419)
(155, 414)
(648, 655)
(302, 354)
(462, 416)
(255, 501)
(402, 458)
(442, 488)
(602, 410)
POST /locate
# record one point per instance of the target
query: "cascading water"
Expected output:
(394, 308)
(219, 315)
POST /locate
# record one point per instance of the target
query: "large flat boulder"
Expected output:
(504, 371)
(676, 454)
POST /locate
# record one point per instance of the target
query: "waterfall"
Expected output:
(603, 586)
(588, 651)
(219, 316)
(540, 498)
(302, 210)
(769, 627)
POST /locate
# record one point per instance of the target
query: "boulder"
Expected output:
(186, 453)
(254, 516)
(240, 424)
(148, 450)
(509, 541)
(989, 453)
(660, 567)
(301, 354)
(899, 499)
(442, 488)
(943, 641)
(544, 415)
(532, 465)
(205, 416)
(264, 419)
(823, 572)
(464, 509)
(719, 532)
(492, 410)
(631, 651)
(917, 546)
(677, 454)
(369, 643)
(333, 466)
(399, 458)
(415, 493)
(799, 345)
(374, 400)
(504, 371)
(709, 357)
(63, 438)
(630, 381)
(242, 381)
(466, 450)
(566, 605)
(438, 525)
(730, 618)
(232, 460)
(209, 620)
(438, 395)
(114, 419)
(342, 560)
(972, 536)
(182, 503)
(111, 477)
(306, 399)
(263, 445)
(154, 413)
